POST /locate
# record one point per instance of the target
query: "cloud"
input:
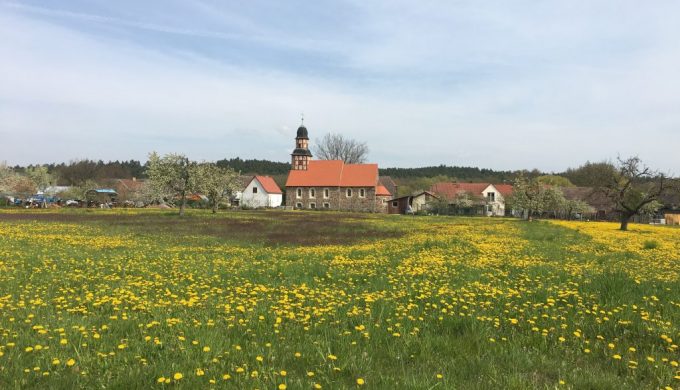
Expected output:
(497, 85)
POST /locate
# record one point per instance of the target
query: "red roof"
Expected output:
(268, 184)
(381, 190)
(334, 173)
(504, 189)
(451, 190)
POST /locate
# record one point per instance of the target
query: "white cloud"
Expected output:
(495, 85)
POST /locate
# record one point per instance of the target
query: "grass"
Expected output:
(305, 299)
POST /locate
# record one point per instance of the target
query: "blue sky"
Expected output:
(494, 84)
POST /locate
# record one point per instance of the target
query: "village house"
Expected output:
(261, 191)
(332, 184)
(411, 203)
(487, 199)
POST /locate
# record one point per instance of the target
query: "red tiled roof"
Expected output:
(451, 190)
(269, 184)
(381, 190)
(504, 189)
(334, 173)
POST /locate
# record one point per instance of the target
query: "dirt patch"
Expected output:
(270, 227)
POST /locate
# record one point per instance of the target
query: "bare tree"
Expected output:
(336, 147)
(633, 188)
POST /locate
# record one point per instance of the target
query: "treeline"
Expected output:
(78, 172)
(254, 166)
(470, 174)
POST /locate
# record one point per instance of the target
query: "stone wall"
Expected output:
(337, 199)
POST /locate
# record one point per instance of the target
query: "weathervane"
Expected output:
(302, 118)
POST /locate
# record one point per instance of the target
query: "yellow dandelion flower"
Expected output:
(177, 376)
(360, 381)
(70, 362)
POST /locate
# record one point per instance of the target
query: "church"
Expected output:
(332, 184)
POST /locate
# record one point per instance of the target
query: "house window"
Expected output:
(254, 190)
(299, 193)
(298, 205)
(326, 193)
(349, 192)
(395, 204)
(362, 192)
(491, 196)
(384, 200)
(327, 205)
(312, 193)
(312, 205)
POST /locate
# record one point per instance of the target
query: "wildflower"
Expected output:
(206, 349)
(226, 377)
(282, 386)
(360, 381)
(177, 376)
(70, 362)
(283, 372)
(56, 362)
(332, 357)
(200, 372)
(161, 380)
(617, 357)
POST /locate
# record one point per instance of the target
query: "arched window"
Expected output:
(349, 192)
(299, 193)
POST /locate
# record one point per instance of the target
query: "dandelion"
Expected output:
(177, 376)
(360, 381)
(282, 386)
(206, 349)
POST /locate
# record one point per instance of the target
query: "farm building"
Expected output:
(483, 198)
(411, 203)
(332, 184)
(261, 191)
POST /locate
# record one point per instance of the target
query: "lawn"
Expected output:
(275, 300)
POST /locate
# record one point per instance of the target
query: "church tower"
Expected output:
(301, 155)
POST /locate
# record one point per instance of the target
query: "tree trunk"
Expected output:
(214, 207)
(625, 218)
(182, 205)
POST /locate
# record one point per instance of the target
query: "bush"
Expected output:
(650, 244)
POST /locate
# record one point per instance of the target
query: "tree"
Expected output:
(554, 180)
(40, 176)
(337, 147)
(590, 174)
(215, 182)
(528, 196)
(634, 188)
(171, 174)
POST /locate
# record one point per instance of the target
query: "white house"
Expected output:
(262, 191)
(495, 194)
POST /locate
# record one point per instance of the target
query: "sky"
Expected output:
(496, 84)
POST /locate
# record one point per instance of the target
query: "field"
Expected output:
(275, 300)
